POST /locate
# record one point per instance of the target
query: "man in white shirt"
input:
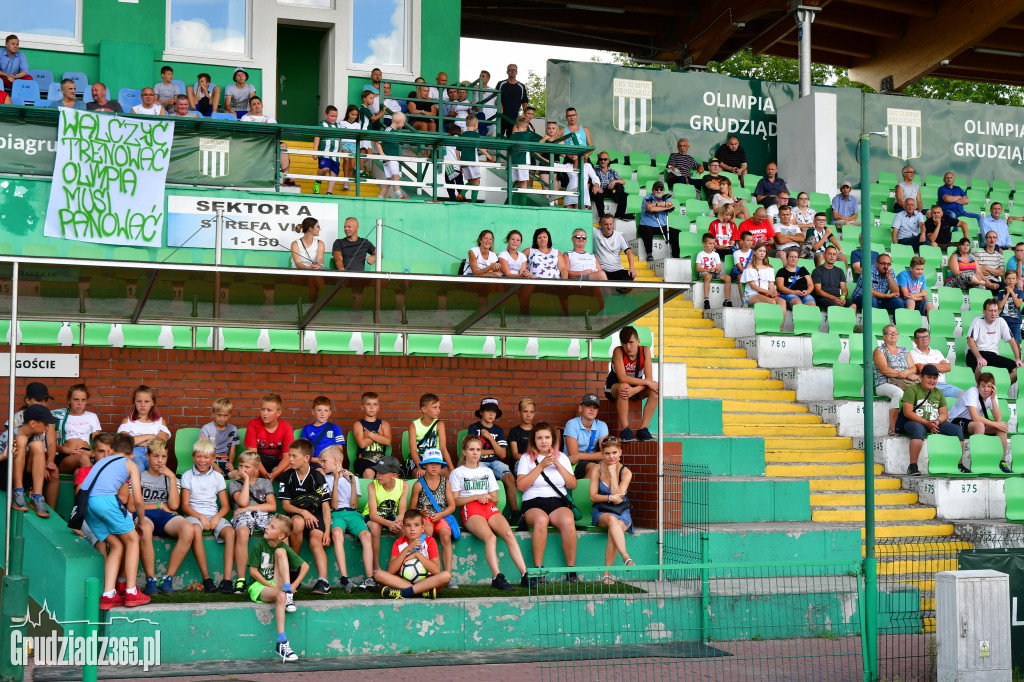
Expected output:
(149, 104)
(781, 199)
(788, 235)
(608, 244)
(255, 115)
(983, 339)
(923, 354)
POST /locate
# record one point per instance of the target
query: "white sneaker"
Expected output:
(289, 602)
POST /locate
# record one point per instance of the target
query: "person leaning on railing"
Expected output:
(422, 114)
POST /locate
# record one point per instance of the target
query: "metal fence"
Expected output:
(685, 513)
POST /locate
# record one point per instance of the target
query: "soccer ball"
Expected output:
(414, 571)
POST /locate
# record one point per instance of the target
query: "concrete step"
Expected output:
(763, 427)
(750, 418)
(912, 530)
(846, 499)
(816, 470)
(706, 341)
(716, 352)
(729, 382)
(814, 456)
(881, 514)
(680, 330)
(852, 483)
(726, 373)
(741, 394)
(772, 442)
(755, 406)
(937, 548)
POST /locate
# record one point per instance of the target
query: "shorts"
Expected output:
(441, 526)
(221, 525)
(253, 520)
(618, 275)
(349, 521)
(160, 518)
(269, 462)
(255, 590)
(306, 530)
(107, 515)
(520, 174)
(471, 172)
(391, 169)
(580, 470)
(330, 163)
(89, 535)
(497, 467)
(349, 147)
(581, 278)
(993, 360)
(362, 464)
(484, 509)
(140, 458)
(366, 144)
(548, 505)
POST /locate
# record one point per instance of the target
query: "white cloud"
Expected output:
(389, 49)
(191, 34)
(496, 55)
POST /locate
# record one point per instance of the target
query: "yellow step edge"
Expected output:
(924, 529)
(729, 382)
(765, 427)
(916, 548)
(852, 484)
(854, 515)
(727, 372)
(754, 406)
(742, 418)
(857, 499)
(749, 394)
(783, 443)
(911, 566)
(812, 471)
(812, 456)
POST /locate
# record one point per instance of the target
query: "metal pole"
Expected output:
(218, 250)
(804, 18)
(378, 266)
(10, 412)
(870, 568)
(661, 426)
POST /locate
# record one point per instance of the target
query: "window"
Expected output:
(47, 21)
(380, 33)
(220, 27)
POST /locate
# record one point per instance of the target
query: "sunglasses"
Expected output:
(580, 236)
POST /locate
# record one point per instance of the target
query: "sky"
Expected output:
(495, 56)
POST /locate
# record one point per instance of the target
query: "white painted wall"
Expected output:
(807, 143)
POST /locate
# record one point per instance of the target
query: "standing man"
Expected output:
(608, 244)
(485, 108)
(845, 210)
(681, 165)
(732, 158)
(768, 187)
(580, 135)
(13, 63)
(352, 252)
(513, 99)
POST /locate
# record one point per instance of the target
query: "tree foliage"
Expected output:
(536, 90)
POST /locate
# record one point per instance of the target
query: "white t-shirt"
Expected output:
(306, 256)
(460, 109)
(481, 262)
(252, 118)
(803, 217)
(708, 261)
(514, 266)
(137, 428)
(762, 277)
(608, 249)
(987, 336)
(80, 426)
(154, 110)
(466, 482)
(933, 357)
(741, 258)
(344, 491)
(203, 490)
(540, 487)
(972, 398)
(578, 262)
(788, 230)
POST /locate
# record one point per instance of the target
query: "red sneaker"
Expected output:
(121, 589)
(107, 603)
(137, 599)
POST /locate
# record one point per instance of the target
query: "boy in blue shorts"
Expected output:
(322, 433)
(273, 567)
(161, 497)
(495, 450)
(345, 516)
(328, 165)
(109, 521)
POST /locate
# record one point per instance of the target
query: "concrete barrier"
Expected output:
(674, 269)
(778, 351)
(811, 384)
(893, 453)
(735, 322)
(716, 296)
(960, 498)
(661, 248)
(675, 379)
(848, 415)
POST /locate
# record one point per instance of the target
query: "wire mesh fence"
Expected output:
(685, 510)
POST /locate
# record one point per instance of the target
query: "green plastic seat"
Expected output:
(942, 323)
(944, 454)
(425, 344)
(645, 335)
(182, 336)
(472, 346)
(806, 319)
(425, 267)
(901, 255)
(841, 320)
(560, 349)
(633, 204)
(976, 300)
(614, 156)
(47, 333)
(880, 320)
(139, 335)
(951, 299)
(284, 340)
(847, 381)
(184, 439)
(262, 259)
(97, 334)
(704, 224)
(1014, 488)
(960, 376)
(888, 178)
(661, 160)
(390, 344)
(624, 171)
(1002, 377)
(168, 255)
(581, 497)
(907, 320)
(639, 160)
(825, 348)
(933, 181)
(696, 207)
(130, 253)
(768, 318)
(986, 453)
(601, 349)
(241, 339)
(516, 347)
(647, 176)
(340, 342)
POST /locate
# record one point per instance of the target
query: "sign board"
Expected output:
(41, 365)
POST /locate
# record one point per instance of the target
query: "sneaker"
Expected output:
(289, 602)
(530, 582)
(912, 470)
(151, 586)
(209, 586)
(121, 587)
(368, 584)
(452, 585)
(321, 586)
(628, 216)
(18, 500)
(573, 577)
(137, 599)
(627, 435)
(316, 187)
(650, 258)
(727, 304)
(707, 304)
(39, 507)
(430, 594)
(962, 468)
(348, 586)
(644, 436)
(239, 587)
(107, 603)
(391, 593)
(167, 585)
(226, 587)
(284, 650)
(1004, 467)
(514, 516)
(499, 583)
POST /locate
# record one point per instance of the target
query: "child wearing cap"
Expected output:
(495, 450)
(386, 503)
(236, 95)
(583, 436)
(433, 497)
(30, 425)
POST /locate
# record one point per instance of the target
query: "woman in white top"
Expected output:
(144, 423)
(482, 261)
(977, 412)
(511, 261)
(545, 477)
(759, 280)
(75, 431)
(803, 214)
(725, 197)
(308, 254)
(579, 263)
(543, 261)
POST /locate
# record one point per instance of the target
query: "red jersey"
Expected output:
(401, 543)
(725, 233)
(266, 443)
(763, 232)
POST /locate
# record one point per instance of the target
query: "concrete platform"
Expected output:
(960, 498)
(848, 416)
(716, 296)
(773, 352)
(893, 453)
(674, 269)
(812, 384)
(990, 533)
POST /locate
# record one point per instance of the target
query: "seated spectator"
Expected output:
(543, 261)
(995, 222)
(938, 229)
(708, 266)
(759, 226)
(13, 63)
(856, 257)
(608, 245)
(781, 200)
(1008, 296)
(422, 115)
(654, 211)
(906, 188)
(743, 253)
(991, 264)
(609, 186)
(914, 287)
(759, 280)
(818, 238)
(962, 268)
(845, 210)
(908, 226)
(1016, 263)
(144, 423)
(732, 158)
(352, 252)
(712, 182)
(894, 373)
(923, 411)
(803, 214)
(885, 292)
(977, 412)
(203, 96)
(4, 97)
(308, 250)
(181, 108)
(611, 510)
(725, 231)
(792, 280)
(166, 90)
(390, 105)
(681, 165)
(68, 99)
(923, 354)
(953, 198)
(442, 91)
(238, 94)
(787, 235)
(725, 197)
(101, 103)
(830, 282)
(254, 114)
(983, 337)
(630, 380)
(584, 433)
(579, 263)
(482, 261)
(149, 107)
(767, 191)
(511, 261)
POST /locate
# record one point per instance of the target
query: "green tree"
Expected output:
(537, 91)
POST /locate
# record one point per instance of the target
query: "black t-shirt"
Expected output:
(787, 276)
(111, 107)
(829, 279)
(308, 493)
(708, 192)
(731, 158)
(353, 253)
(513, 97)
(946, 226)
(521, 437)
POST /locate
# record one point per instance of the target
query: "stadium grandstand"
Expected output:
(268, 262)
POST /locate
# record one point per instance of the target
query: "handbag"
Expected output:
(613, 508)
(77, 516)
(902, 384)
(453, 523)
(576, 513)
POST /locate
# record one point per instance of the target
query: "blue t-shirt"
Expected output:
(333, 435)
(496, 432)
(905, 279)
(586, 440)
(113, 475)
